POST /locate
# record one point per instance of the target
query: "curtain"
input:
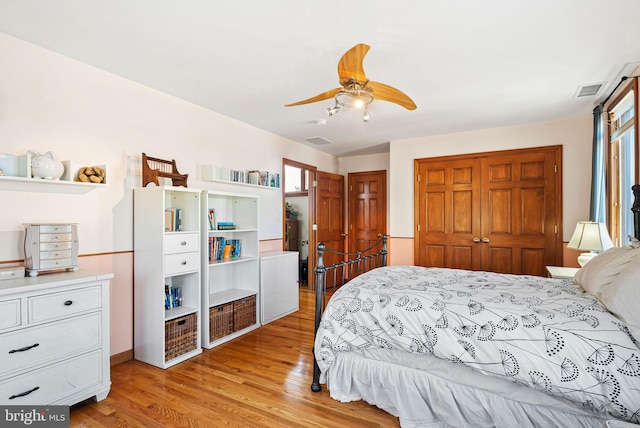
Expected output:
(598, 173)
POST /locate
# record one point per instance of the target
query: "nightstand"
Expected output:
(561, 272)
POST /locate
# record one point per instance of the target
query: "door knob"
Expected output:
(476, 240)
(343, 234)
(485, 240)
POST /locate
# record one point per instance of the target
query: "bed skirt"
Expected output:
(436, 393)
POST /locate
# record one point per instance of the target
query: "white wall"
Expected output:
(50, 102)
(575, 136)
(88, 116)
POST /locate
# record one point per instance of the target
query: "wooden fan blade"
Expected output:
(350, 65)
(324, 96)
(391, 94)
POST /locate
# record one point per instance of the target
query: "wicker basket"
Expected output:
(180, 336)
(244, 313)
(220, 321)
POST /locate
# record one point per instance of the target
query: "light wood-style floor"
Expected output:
(261, 379)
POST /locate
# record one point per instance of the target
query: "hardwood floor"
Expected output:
(261, 379)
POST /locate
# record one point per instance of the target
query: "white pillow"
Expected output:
(622, 296)
(604, 268)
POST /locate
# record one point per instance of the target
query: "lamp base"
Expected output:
(584, 258)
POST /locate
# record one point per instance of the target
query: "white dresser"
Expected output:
(54, 338)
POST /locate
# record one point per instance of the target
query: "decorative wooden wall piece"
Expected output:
(152, 168)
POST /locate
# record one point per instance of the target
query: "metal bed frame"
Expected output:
(350, 267)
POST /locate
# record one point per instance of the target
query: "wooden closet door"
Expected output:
(497, 211)
(448, 209)
(519, 219)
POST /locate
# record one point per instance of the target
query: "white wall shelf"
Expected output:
(215, 180)
(223, 175)
(23, 184)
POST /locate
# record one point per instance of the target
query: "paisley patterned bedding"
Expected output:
(545, 333)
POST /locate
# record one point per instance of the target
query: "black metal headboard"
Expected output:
(636, 210)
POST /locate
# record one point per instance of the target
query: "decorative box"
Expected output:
(50, 247)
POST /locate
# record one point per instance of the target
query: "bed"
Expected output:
(446, 347)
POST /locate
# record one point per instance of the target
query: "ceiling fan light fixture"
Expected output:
(354, 96)
(333, 110)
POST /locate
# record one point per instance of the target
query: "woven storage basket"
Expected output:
(220, 321)
(180, 336)
(244, 313)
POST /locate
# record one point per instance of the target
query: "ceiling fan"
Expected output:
(356, 90)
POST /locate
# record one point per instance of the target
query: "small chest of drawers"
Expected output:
(54, 339)
(50, 247)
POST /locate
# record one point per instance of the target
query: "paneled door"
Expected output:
(330, 217)
(498, 211)
(448, 212)
(367, 208)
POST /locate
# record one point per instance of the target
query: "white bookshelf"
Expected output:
(234, 279)
(166, 257)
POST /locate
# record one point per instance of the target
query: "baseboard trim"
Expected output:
(122, 357)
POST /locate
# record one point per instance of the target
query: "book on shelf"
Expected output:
(172, 296)
(212, 219)
(225, 225)
(254, 176)
(221, 248)
(168, 220)
(173, 220)
(226, 254)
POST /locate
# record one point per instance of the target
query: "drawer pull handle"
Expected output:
(183, 243)
(24, 393)
(184, 262)
(68, 303)
(26, 348)
(181, 322)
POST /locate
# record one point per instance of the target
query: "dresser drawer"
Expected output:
(55, 255)
(46, 343)
(50, 384)
(65, 303)
(55, 237)
(55, 228)
(55, 246)
(11, 273)
(181, 243)
(181, 263)
(9, 313)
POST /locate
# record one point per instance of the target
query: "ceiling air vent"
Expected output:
(318, 140)
(588, 90)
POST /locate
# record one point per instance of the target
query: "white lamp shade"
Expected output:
(590, 236)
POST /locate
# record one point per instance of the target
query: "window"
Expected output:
(622, 168)
(296, 180)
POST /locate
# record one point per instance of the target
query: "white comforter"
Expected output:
(544, 333)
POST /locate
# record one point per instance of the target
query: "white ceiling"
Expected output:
(467, 64)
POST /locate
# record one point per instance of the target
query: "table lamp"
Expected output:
(592, 237)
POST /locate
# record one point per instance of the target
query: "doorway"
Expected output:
(299, 216)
